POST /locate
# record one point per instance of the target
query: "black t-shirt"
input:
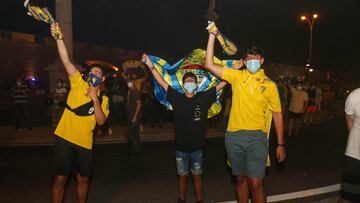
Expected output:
(133, 97)
(190, 115)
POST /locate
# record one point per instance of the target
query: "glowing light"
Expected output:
(311, 70)
(315, 15)
(303, 17)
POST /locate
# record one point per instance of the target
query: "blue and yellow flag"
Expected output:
(194, 62)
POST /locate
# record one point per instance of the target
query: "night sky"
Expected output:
(172, 28)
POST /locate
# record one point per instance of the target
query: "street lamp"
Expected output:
(311, 24)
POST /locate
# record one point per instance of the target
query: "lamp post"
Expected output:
(311, 25)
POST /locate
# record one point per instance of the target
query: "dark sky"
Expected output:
(172, 28)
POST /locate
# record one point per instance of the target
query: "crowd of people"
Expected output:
(251, 101)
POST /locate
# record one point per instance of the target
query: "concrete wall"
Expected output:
(26, 55)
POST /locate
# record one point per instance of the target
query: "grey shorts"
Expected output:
(247, 152)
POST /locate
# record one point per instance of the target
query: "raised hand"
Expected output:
(92, 93)
(145, 59)
(56, 31)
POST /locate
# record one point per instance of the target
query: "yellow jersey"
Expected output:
(253, 95)
(79, 129)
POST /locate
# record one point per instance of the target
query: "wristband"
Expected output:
(281, 145)
(215, 34)
(151, 68)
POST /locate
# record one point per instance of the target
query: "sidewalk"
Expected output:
(43, 135)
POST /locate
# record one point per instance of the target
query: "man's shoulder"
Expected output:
(269, 83)
(355, 94)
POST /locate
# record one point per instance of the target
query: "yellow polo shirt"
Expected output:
(78, 129)
(252, 95)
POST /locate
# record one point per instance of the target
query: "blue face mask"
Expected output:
(94, 80)
(190, 87)
(253, 65)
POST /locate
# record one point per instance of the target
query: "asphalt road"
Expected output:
(314, 159)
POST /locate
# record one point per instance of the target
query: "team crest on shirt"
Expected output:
(262, 88)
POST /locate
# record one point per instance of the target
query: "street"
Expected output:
(314, 159)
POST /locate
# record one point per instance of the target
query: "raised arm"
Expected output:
(156, 74)
(209, 60)
(64, 56)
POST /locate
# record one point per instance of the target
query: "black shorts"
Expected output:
(350, 180)
(70, 158)
(296, 115)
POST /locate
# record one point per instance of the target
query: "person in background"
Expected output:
(311, 107)
(350, 181)
(318, 99)
(20, 94)
(133, 114)
(297, 107)
(59, 95)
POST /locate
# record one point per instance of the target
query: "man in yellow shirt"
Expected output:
(255, 98)
(298, 104)
(85, 106)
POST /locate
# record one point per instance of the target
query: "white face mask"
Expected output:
(299, 87)
(130, 84)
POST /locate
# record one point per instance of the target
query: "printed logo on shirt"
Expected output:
(91, 110)
(197, 113)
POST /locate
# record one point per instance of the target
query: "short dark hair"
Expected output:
(104, 71)
(253, 50)
(189, 75)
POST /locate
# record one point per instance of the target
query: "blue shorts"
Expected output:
(192, 160)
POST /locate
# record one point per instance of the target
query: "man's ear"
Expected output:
(262, 61)
(103, 79)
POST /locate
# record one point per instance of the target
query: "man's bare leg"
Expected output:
(197, 186)
(242, 189)
(182, 183)
(257, 190)
(58, 189)
(82, 188)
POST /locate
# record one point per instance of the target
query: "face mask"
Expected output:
(190, 87)
(130, 84)
(253, 65)
(59, 84)
(94, 80)
(18, 83)
(298, 87)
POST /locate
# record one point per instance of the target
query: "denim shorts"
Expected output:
(193, 160)
(247, 152)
